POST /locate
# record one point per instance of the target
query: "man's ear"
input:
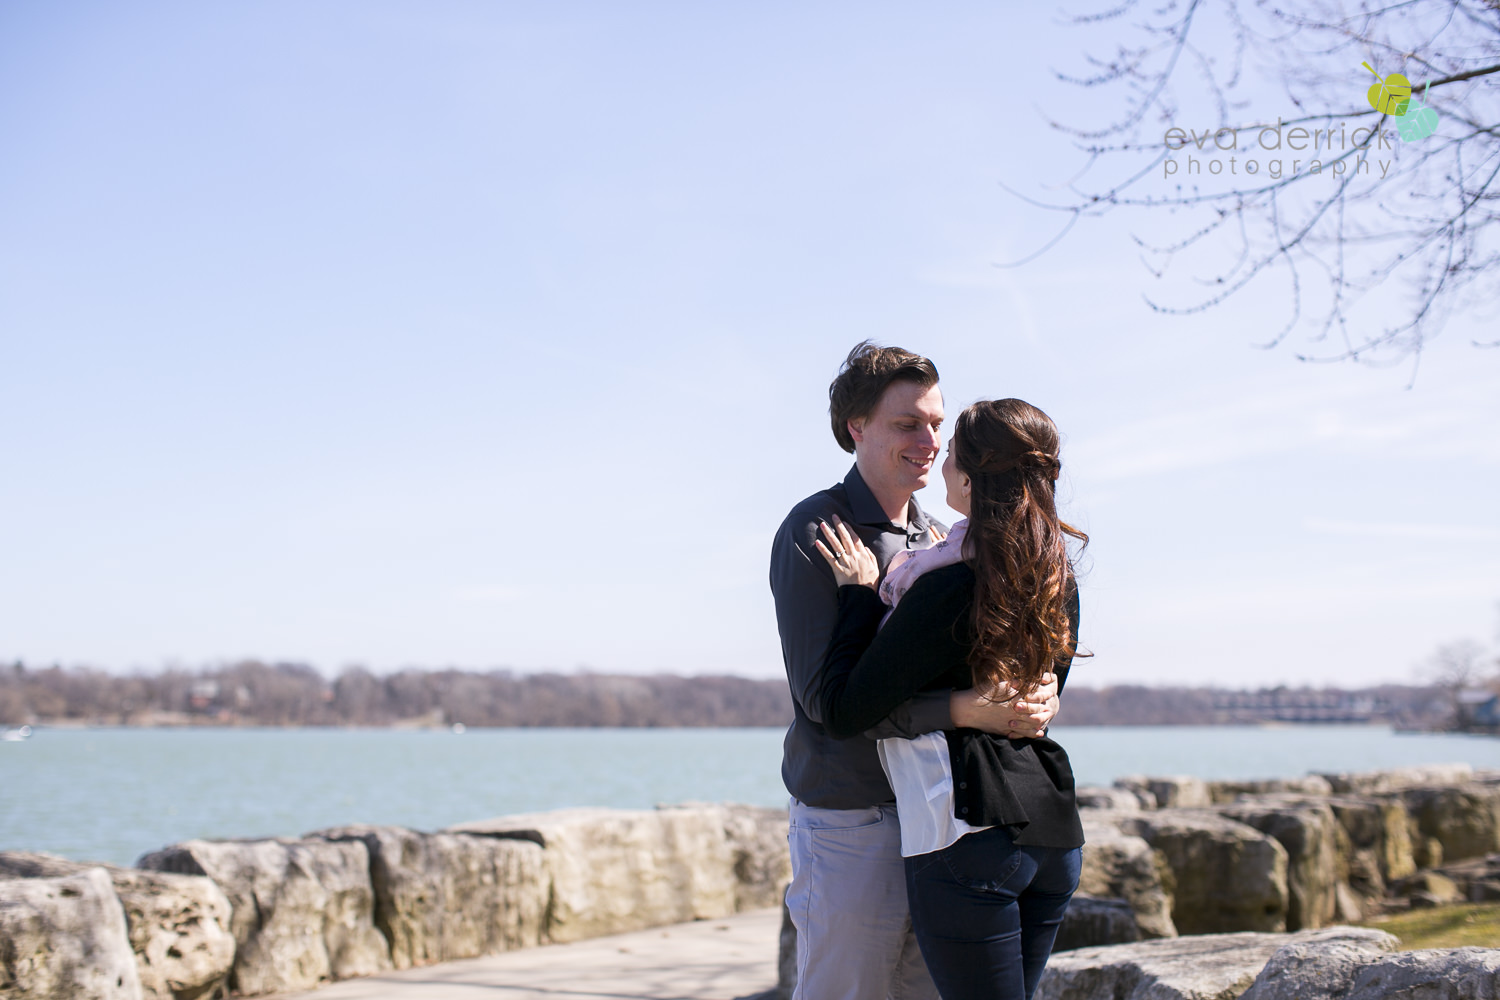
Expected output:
(856, 428)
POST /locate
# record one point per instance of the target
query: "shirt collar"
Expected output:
(867, 509)
(917, 521)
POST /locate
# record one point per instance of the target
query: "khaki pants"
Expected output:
(848, 902)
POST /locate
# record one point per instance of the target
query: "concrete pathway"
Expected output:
(726, 959)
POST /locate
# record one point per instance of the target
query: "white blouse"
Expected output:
(922, 776)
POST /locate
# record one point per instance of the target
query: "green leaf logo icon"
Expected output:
(1391, 95)
(1419, 122)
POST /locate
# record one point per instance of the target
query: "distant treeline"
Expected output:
(1401, 706)
(282, 694)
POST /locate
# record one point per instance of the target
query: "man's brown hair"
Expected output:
(867, 372)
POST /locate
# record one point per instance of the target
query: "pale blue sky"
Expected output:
(486, 334)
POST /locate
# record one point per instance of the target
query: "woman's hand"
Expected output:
(1035, 709)
(852, 562)
(1005, 714)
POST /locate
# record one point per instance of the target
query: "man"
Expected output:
(848, 893)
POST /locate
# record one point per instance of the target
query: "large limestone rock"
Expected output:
(1170, 791)
(1464, 819)
(1205, 967)
(1228, 791)
(1091, 922)
(1227, 876)
(1439, 974)
(1375, 847)
(444, 896)
(617, 870)
(1348, 907)
(1478, 879)
(1321, 966)
(1118, 865)
(178, 924)
(1426, 851)
(1428, 889)
(1309, 832)
(1369, 782)
(1115, 799)
(758, 850)
(303, 909)
(65, 939)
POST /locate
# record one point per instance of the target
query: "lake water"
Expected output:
(114, 794)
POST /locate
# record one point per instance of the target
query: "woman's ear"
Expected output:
(964, 487)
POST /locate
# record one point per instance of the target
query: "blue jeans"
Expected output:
(986, 912)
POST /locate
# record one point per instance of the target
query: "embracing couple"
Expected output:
(934, 833)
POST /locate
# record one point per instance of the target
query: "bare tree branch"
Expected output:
(1371, 212)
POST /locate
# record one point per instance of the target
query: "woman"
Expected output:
(989, 826)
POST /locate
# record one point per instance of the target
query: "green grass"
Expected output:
(1458, 926)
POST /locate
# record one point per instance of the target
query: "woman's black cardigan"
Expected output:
(1024, 784)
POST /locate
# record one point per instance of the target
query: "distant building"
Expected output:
(1282, 704)
(203, 694)
(1478, 710)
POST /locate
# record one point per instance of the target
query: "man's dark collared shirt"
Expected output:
(819, 770)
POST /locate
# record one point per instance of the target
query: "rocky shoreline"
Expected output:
(1255, 879)
(1190, 889)
(207, 919)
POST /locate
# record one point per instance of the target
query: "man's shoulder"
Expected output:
(792, 550)
(817, 507)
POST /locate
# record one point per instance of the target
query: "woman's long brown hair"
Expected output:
(1015, 542)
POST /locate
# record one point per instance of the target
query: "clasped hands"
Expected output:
(1017, 715)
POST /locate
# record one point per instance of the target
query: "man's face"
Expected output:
(898, 442)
